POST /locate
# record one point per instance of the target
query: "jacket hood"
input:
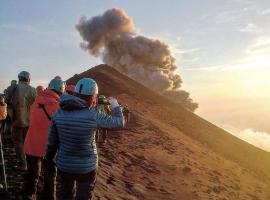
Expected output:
(47, 97)
(69, 102)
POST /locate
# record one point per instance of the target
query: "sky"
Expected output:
(222, 49)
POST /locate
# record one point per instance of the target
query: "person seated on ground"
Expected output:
(72, 138)
(23, 98)
(102, 106)
(45, 105)
(39, 89)
(70, 89)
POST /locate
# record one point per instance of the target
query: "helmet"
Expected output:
(57, 85)
(13, 82)
(58, 77)
(86, 86)
(70, 88)
(24, 74)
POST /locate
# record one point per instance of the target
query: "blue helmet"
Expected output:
(86, 86)
(57, 85)
(24, 74)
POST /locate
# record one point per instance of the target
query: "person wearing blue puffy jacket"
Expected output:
(72, 139)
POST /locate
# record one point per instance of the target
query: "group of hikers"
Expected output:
(55, 130)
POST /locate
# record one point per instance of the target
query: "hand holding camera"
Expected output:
(113, 102)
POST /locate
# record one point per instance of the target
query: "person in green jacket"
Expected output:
(23, 98)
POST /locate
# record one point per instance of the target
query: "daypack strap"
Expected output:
(45, 111)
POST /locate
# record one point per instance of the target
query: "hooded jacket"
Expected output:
(37, 135)
(23, 98)
(72, 134)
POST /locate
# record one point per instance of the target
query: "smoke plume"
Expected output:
(148, 61)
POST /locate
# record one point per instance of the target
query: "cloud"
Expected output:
(19, 27)
(183, 51)
(206, 68)
(257, 138)
(260, 45)
(227, 16)
(265, 12)
(256, 56)
(147, 60)
(251, 28)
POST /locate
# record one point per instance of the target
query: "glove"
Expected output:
(113, 103)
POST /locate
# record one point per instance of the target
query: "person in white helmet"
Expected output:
(72, 139)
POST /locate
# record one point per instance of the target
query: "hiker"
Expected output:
(23, 98)
(126, 113)
(9, 93)
(102, 106)
(3, 111)
(45, 105)
(70, 89)
(72, 137)
(3, 115)
(39, 89)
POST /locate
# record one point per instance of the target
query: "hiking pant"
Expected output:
(34, 165)
(85, 184)
(18, 134)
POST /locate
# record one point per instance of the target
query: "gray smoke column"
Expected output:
(148, 61)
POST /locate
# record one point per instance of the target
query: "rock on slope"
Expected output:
(167, 152)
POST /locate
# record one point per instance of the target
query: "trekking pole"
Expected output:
(3, 163)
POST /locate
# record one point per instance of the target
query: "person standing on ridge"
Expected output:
(3, 111)
(45, 105)
(9, 94)
(126, 113)
(72, 137)
(3, 115)
(24, 96)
